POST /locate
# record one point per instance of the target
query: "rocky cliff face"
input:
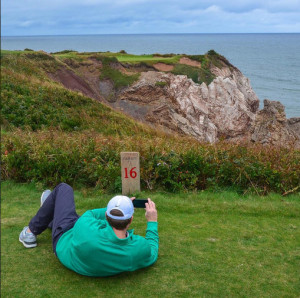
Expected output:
(223, 109)
(271, 126)
(227, 108)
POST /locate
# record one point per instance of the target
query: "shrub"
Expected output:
(212, 53)
(93, 160)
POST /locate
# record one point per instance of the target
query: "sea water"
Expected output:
(270, 61)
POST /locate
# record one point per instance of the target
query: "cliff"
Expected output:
(203, 96)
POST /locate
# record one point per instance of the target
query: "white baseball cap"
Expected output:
(121, 203)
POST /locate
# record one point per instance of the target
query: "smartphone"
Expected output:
(139, 203)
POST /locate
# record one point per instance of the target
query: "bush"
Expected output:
(212, 53)
(92, 160)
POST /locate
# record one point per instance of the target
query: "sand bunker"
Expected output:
(163, 67)
(189, 62)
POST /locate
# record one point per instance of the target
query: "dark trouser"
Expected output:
(58, 210)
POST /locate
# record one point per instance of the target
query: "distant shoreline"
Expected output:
(130, 34)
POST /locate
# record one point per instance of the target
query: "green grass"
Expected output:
(9, 52)
(198, 75)
(147, 58)
(117, 77)
(121, 57)
(31, 100)
(211, 245)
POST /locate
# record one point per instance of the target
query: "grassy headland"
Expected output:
(52, 134)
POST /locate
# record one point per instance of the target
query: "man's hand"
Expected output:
(151, 212)
(132, 198)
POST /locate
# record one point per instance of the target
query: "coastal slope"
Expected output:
(203, 96)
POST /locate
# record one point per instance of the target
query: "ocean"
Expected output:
(270, 61)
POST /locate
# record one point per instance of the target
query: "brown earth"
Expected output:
(184, 60)
(190, 62)
(163, 67)
(82, 77)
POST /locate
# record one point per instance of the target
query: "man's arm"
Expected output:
(151, 232)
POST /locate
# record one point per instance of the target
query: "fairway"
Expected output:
(147, 58)
(211, 245)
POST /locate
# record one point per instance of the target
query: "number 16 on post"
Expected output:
(130, 169)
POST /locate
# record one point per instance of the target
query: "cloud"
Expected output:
(148, 16)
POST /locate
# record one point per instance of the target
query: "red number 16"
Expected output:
(132, 173)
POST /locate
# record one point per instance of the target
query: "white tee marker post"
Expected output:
(130, 169)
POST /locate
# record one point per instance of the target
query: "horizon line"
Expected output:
(93, 34)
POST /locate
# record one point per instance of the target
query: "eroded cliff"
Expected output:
(202, 96)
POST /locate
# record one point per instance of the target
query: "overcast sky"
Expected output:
(52, 17)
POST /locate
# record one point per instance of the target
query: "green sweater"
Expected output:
(92, 248)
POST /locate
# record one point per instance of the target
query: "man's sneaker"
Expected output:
(45, 195)
(28, 239)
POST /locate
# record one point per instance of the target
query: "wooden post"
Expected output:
(130, 169)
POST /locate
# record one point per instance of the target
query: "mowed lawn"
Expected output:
(211, 245)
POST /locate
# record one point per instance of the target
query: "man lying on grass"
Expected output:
(98, 243)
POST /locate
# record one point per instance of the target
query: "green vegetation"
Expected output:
(38, 104)
(211, 245)
(64, 52)
(121, 56)
(90, 158)
(111, 71)
(28, 63)
(148, 59)
(209, 59)
(118, 78)
(198, 75)
(9, 52)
